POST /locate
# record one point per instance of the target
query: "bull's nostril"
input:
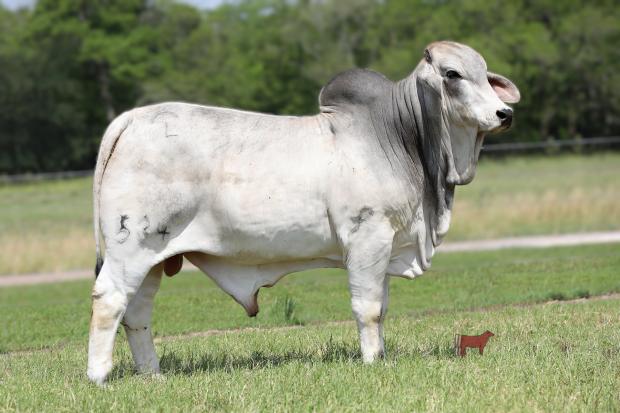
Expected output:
(505, 116)
(504, 113)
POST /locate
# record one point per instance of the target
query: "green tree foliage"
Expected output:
(70, 66)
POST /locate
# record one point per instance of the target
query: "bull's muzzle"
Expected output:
(506, 117)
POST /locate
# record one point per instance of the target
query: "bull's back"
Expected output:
(231, 183)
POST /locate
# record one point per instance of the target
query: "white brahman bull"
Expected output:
(366, 185)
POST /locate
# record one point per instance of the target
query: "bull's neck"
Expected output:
(395, 125)
(404, 117)
(408, 125)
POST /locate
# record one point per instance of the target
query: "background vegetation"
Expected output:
(67, 67)
(70, 66)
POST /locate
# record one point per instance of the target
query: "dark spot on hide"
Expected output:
(96, 296)
(123, 232)
(427, 56)
(98, 266)
(332, 129)
(124, 324)
(123, 219)
(362, 217)
(163, 231)
(145, 224)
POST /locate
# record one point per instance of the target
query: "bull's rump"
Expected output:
(229, 183)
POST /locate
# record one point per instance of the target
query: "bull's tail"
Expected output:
(108, 143)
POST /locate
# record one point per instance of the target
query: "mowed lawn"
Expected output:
(303, 354)
(48, 226)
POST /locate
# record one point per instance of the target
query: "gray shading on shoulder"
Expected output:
(384, 112)
(355, 87)
(363, 216)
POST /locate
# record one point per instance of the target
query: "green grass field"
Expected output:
(191, 302)
(47, 226)
(545, 357)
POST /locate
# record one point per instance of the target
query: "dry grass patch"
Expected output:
(524, 213)
(33, 253)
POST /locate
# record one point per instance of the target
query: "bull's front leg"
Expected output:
(369, 304)
(367, 262)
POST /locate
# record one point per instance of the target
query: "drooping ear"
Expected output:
(436, 146)
(505, 89)
(428, 86)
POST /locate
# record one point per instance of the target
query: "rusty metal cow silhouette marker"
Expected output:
(462, 342)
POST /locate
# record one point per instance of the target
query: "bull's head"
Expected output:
(461, 102)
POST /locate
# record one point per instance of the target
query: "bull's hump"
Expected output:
(355, 87)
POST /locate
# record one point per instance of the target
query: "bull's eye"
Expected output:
(453, 74)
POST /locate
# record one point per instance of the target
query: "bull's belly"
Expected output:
(259, 224)
(243, 281)
(261, 242)
(243, 253)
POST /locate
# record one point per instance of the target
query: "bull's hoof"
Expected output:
(372, 357)
(99, 375)
(97, 378)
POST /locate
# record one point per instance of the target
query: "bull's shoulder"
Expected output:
(355, 87)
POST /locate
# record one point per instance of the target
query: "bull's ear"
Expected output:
(428, 85)
(436, 148)
(505, 89)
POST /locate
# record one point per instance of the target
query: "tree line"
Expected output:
(68, 67)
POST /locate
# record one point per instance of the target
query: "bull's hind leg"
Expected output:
(137, 323)
(115, 287)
